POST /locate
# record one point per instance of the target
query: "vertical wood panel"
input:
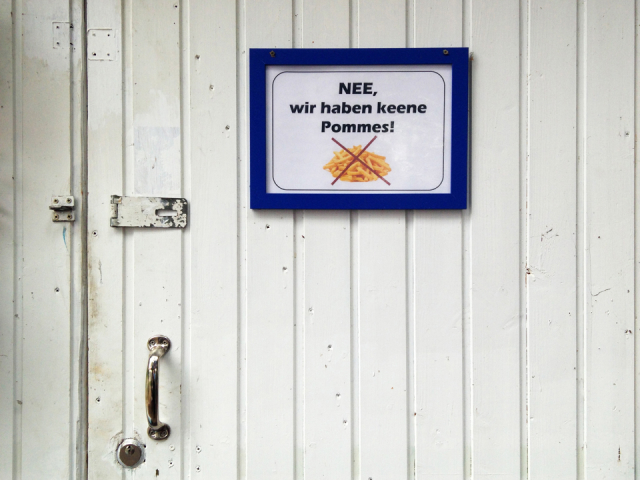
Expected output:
(270, 300)
(327, 346)
(154, 294)
(438, 404)
(495, 276)
(78, 245)
(9, 250)
(40, 313)
(383, 363)
(327, 297)
(47, 320)
(382, 296)
(551, 240)
(438, 23)
(609, 200)
(243, 221)
(637, 236)
(213, 232)
(439, 356)
(104, 252)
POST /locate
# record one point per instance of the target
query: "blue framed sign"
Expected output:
(359, 128)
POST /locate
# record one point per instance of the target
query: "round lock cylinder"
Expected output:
(130, 453)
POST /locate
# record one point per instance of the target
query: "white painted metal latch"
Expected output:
(62, 208)
(152, 212)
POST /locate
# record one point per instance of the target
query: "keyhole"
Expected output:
(130, 454)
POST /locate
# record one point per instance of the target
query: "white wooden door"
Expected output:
(42, 348)
(495, 342)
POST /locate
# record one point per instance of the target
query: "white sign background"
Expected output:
(418, 150)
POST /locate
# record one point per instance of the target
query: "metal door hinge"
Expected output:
(62, 208)
(150, 212)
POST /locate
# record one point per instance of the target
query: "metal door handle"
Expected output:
(158, 346)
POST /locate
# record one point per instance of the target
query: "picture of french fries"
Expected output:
(357, 172)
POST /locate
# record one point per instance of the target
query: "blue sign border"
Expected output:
(458, 58)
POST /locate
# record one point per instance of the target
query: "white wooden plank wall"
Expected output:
(369, 345)
(550, 239)
(211, 280)
(637, 237)
(521, 280)
(495, 239)
(609, 41)
(9, 250)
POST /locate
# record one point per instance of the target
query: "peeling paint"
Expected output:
(146, 212)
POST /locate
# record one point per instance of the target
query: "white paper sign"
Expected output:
(403, 112)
